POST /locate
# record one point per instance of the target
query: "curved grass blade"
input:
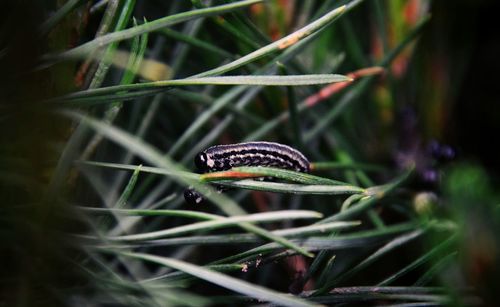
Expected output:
(360, 239)
(413, 296)
(290, 188)
(374, 195)
(147, 212)
(237, 238)
(231, 283)
(422, 259)
(83, 50)
(264, 80)
(390, 246)
(271, 172)
(220, 222)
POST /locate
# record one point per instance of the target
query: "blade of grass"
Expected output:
(390, 246)
(195, 42)
(363, 295)
(146, 212)
(84, 49)
(365, 203)
(236, 238)
(280, 44)
(262, 171)
(296, 80)
(294, 188)
(231, 283)
(360, 239)
(208, 101)
(435, 269)
(421, 260)
(124, 196)
(220, 223)
(320, 166)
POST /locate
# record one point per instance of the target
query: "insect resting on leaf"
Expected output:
(224, 157)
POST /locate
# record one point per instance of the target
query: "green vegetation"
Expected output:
(100, 137)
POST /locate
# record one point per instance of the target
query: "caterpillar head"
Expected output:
(203, 162)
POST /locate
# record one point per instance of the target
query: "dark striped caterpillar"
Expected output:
(224, 157)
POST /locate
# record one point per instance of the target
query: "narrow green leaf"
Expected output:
(280, 44)
(83, 50)
(128, 189)
(148, 212)
(422, 259)
(193, 41)
(294, 188)
(275, 173)
(231, 283)
(264, 80)
(229, 239)
(219, 223)
(366, 202)
(435, 269)
(358, 239)
(390, 246)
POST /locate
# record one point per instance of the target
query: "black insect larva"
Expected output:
(224, 157)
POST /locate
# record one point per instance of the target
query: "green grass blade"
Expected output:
(435, 269)
(422, 259)
(297, 80)
(280, 44)
(220, 223)
(261, 171)
(366, 202)
(359, 239)
(197, 43)
(236, 238)
(147, 212)
(290, 188)
(128, 189)
(231, 283)
(390, 246)
(83, 50)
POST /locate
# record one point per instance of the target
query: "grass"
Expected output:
(154, 84)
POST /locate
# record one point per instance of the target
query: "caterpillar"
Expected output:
(224, 157)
